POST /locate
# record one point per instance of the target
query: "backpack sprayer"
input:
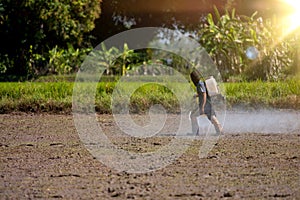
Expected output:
(211, 85)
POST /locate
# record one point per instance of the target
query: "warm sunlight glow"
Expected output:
(294, 18)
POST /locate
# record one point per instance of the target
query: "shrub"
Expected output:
(32, 28)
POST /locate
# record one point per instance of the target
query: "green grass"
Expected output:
(36, 97)
(56, 97)
(268, 94)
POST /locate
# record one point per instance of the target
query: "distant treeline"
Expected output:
(46, 38)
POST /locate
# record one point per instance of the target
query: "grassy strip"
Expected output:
(35, 97)
(267, 94)
(56, 97)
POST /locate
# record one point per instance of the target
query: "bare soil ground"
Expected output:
(41, 156)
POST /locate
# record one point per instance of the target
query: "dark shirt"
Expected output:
(201, 88)
(208, 110)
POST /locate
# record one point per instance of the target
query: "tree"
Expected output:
(227, 38)
(34, 27)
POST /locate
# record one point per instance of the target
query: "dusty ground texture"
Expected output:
(41, 156)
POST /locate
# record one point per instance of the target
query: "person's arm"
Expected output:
(203, 103)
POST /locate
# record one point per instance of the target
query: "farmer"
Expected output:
(205, 106)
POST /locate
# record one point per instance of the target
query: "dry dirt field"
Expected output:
(42, 157)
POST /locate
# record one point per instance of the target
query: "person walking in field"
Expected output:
(205, 107)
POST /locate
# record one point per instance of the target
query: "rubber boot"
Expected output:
(216, 124)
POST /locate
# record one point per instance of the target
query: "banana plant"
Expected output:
(127, 59)
(104, 58)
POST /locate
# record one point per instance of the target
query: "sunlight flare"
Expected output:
(294, 18)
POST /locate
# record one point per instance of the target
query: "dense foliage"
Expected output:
(249, 47)
(53, 37)
(243, 48)
(33, 29)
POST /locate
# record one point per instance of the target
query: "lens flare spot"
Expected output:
(252, 53)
